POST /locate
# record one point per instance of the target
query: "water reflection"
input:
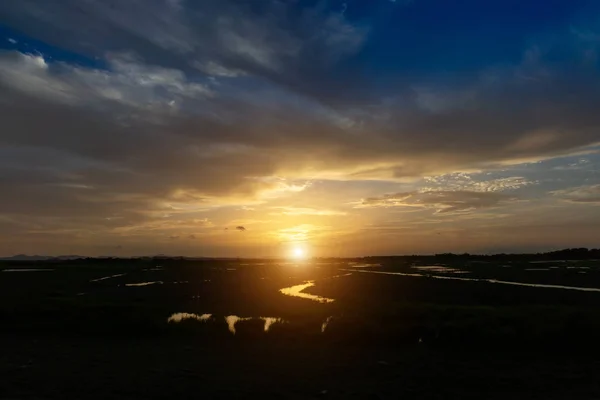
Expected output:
(296, 291)
(178, 317)
(439, 269)
(232, 320)
(270, 321)
(358, 265)
(107, 277)
(340, 276)
(325, 323)
(27, 270)
(144, 283)
(454, 278)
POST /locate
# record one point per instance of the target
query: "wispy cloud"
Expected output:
(583, 194)
(442, 201)
(466, 182)
(305, 211)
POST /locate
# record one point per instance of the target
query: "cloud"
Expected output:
(302, 233)
(442, 201)
(129, 85)
(580, 164)
(240, 228)
(163, 223)
(193, 105)
(213, 68)
(305, 211)
(263, 40)
(589, 194)
(468, 182)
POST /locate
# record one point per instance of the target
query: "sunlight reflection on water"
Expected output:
(341, 276)
(270, 321)
(144, 283)
(296, 291)
(358, 265)
(232, 320)
(178, 317)
(107, 277)
(439, 269)
(27, 270)
(453, 278)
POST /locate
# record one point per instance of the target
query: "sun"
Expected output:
(298, 253)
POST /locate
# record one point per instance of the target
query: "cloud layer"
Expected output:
(156, 111)
(441, 201)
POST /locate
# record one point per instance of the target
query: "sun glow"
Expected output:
(298, 253)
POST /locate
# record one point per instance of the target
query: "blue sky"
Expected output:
(348, 127)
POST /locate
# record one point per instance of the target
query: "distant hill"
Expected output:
(581, 253)
(24, 257)
(69, 257)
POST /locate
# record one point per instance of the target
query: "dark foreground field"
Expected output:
(158, 368)
(70, 333)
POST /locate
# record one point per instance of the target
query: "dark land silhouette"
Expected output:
(441, 326)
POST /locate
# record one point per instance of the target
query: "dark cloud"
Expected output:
(240, 228)
(270, 39)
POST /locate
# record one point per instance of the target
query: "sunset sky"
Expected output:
(356, 127)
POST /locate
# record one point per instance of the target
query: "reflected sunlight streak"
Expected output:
(296, 291)
(178, 317)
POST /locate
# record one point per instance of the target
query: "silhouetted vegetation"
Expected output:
(101, 302)
(91, 297)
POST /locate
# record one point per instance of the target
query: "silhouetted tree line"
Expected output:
(580, 253)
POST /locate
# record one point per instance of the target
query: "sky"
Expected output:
(345, 127)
